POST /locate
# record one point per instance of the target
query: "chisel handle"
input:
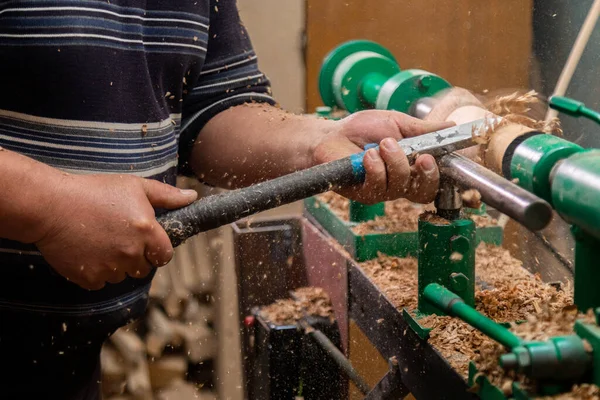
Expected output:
(217, 210)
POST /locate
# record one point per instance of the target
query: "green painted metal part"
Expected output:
(587, 274)
(573, 108)
(559, 359)
(447, 257)
(402, 90)
(452, 304)
(365, 212)
(361, 74)
(485, 389)
(378, 55)
(361, 247)
(366, 247)
(591, 333)
(576, 190)
(534, 159)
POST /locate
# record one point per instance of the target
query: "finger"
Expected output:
(158, 250)
(140, 269)
(375, 185)
(426, 180)
(166, 196)
(411, 126)
(398, 168)
(116, 276)
(87, 283)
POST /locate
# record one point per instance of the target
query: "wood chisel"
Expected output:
(217, 210)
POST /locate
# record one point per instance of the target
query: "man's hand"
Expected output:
(101, 228)
(389, 175)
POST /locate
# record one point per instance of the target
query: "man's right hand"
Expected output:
(101, 228)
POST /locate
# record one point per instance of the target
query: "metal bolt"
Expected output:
(458, 282)
(425, 82)
(460, 244)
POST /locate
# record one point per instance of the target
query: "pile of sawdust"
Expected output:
(401, 215)
(396, 277)
(503, 292)
(514, 293)
(311, 301)
(456, 340)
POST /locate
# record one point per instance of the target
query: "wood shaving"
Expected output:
(516, 108)
(401, 215)
(308, 301)
(396, 277)
(471, 198)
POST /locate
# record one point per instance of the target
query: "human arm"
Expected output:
(227, 142)
(248, 144)
(91, 229)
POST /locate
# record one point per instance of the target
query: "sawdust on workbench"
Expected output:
(503, 292)
(396, 277)
(401, 215)
(311, 301)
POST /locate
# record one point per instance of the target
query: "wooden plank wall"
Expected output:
(473, 44)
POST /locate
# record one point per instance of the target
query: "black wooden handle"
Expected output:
(217, 210)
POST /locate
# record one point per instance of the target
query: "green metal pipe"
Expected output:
(453, 305)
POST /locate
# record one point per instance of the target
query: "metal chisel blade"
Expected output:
(448, 140)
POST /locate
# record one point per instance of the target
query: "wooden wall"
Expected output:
(471, 43)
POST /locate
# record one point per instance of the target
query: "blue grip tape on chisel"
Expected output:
(358, 168)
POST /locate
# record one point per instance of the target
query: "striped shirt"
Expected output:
(113, 86)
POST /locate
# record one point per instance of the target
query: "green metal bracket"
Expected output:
(446, 257)
(365, 212)
(366, 247)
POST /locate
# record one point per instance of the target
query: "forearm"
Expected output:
(27, 187)
(251, 143)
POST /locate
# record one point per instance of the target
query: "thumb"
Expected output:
(411, 126)
(161, 195)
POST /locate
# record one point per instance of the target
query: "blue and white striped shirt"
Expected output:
(113, 86)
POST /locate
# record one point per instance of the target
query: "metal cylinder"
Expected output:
(448, 201)
(422, 107)
(524, 207)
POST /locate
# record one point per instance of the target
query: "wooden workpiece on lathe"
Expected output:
(461, 106)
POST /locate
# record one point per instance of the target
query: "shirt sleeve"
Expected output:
(229, 77)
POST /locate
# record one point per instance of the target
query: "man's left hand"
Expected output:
(389, 174)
